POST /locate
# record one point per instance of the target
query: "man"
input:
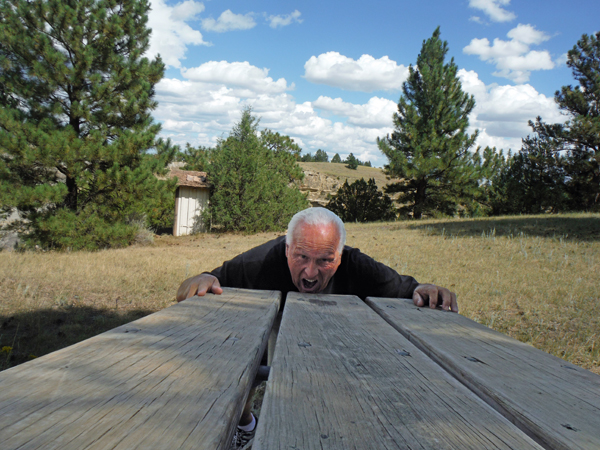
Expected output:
(312, 258)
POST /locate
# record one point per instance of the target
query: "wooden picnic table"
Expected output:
(346, 374)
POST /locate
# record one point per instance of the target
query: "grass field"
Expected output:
(532, 277)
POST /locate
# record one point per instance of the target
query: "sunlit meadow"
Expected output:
(532, 277)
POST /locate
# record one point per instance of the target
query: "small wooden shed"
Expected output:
(191, 198)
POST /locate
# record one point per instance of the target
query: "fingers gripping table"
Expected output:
(345, 375)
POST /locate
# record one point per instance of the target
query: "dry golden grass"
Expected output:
(534, 278)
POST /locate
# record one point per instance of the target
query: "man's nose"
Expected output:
(311, 270)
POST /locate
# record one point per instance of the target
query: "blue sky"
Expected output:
(329, 73)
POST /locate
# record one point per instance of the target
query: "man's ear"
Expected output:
(287, 250)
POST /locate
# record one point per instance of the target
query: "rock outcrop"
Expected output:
(319, 186)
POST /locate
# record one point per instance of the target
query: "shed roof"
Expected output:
(189, 178)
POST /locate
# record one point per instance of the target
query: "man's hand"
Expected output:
(199, 285)
(435, 295)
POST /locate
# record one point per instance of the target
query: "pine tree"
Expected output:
(429, 148)
(336, 158)
(251, 183)
(76, 129)
(195, 158)
(351, 162)
(361, 201)
(321, 156)
(531, 181)
(579, 137)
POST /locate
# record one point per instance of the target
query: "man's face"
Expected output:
(313, 256)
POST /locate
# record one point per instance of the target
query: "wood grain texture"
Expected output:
(555, 402)
(175, 379)
(342, 378)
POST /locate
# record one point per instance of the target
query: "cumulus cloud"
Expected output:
(229, 21)
(502, 112)
(171, 34)
(376, 113)
(238, 74)
(494, 10)
(204, 106)
(514, 59)
(201, 109)
(285, 20)
(366, 74)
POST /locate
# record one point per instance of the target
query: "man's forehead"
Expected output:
(322, 235)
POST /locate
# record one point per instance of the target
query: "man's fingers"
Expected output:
(446, 299)
(197, 290)
(449, 302)
(454, 306)
(434, 295)
(216, 287)
(417, 299)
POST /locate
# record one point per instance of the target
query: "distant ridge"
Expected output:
(322, 180)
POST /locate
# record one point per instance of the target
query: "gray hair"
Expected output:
(316, 216)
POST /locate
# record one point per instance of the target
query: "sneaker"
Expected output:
(242, 440)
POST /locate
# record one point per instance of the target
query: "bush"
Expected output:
(361, 201)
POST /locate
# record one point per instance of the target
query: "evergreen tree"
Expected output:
(351, 162)
(252, 185)
(280, 143)
(429, 148)
(75, 126)
(336, 158)
(195, 158)
(361, 201)
(307, 157)
(579, 137)
(320, 156)
(531, 181)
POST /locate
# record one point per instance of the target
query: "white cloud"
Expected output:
(229, 21)
(527, 34)
(187, 10)
(502, 112)
(514, 59)
(238, 74)
(476, 19)
(283, 21)
(205, 105)
(366, 74)
(562, 59)
(171, 33)
(376, 113)
(493, 8)
(202, 108)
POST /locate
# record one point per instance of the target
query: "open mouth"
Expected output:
(308, 284)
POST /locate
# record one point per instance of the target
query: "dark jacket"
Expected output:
(265, 267)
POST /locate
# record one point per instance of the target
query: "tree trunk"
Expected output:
(71, 198)
(420, 198)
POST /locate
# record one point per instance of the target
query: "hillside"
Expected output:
(322, 180)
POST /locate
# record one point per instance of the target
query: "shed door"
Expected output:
(191, 203)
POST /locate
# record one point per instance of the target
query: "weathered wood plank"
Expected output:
(175, 379)
(342, 378)
(557, 403)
